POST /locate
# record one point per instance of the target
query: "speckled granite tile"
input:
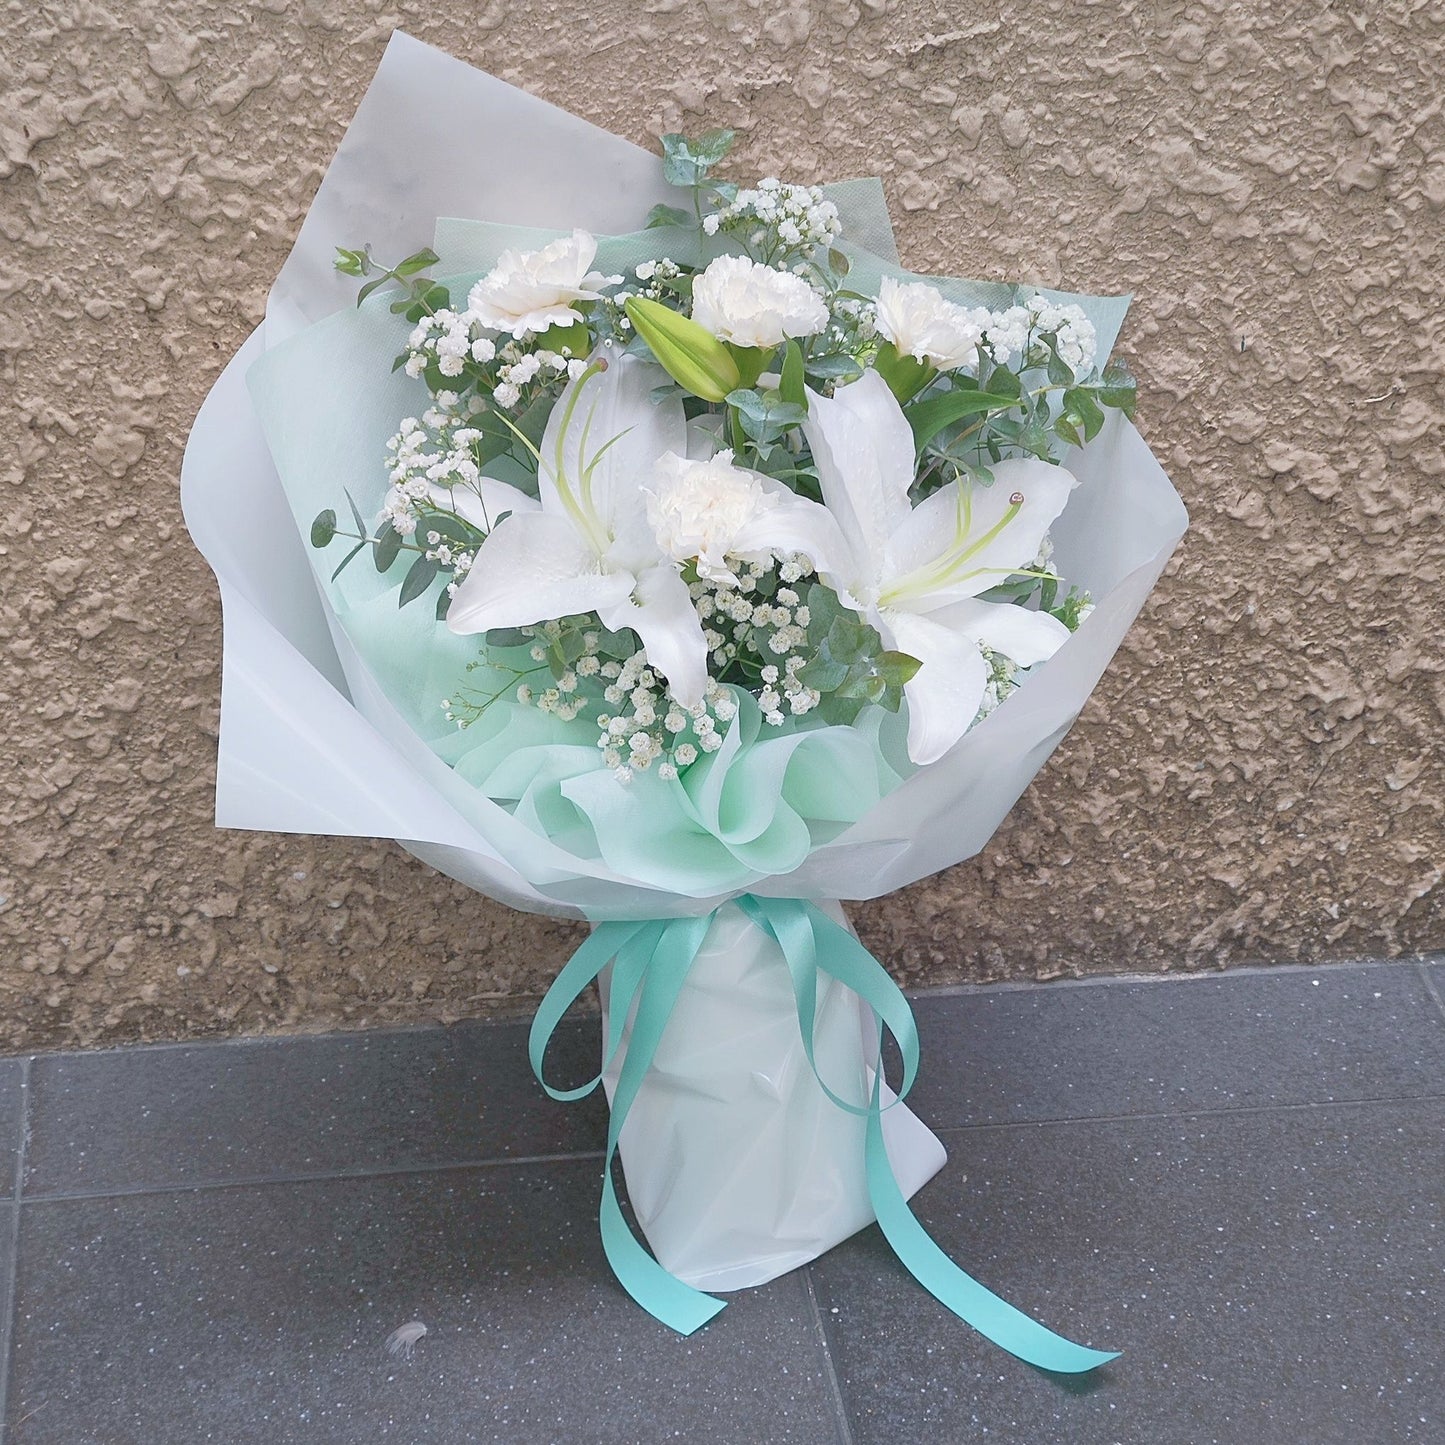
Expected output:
(1270, 1277)
(207, 1113)
(260, 1313)
(1175, 1045)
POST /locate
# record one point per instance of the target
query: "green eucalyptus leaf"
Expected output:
(452, 528)
(681, 170)
(499, 637)
(419, 262)
(356, 513)
(822, 674)
(388, 546)
(418, 579)
(661, 215)
(838, 367)
(323, 529)
(346, 560)
(897, 668)
(712, 145)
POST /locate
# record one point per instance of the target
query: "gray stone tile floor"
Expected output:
(1236, 1179)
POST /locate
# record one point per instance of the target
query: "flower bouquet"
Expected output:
(683, 570)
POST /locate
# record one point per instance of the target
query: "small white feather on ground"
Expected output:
(403, 1341)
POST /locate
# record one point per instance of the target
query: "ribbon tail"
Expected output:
(997, 1320)
(661, 1294)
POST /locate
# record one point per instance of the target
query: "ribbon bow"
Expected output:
(651, 961)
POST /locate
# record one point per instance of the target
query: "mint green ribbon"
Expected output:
(650, 964)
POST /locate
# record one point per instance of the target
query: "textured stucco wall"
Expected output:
(1259, 776)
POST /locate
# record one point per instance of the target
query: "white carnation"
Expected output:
(921, 322)
(750, 304)
(528, 291)
(700, 510)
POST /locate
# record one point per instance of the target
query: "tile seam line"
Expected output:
(1422, 967)
(1068, 1120)
(7, 1305)
(841, 1421)
(581, 1156)
(256, 1181)
(949, 990)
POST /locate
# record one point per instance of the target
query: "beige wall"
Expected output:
(1259, 776)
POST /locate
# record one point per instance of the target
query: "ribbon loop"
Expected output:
(651, 961)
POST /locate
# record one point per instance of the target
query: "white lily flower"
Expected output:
(915, 572)
(528, 291)
(589, 547)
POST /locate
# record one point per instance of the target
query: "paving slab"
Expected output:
(260, 1313)
(283, 1107)
(1270, 1277)
(1227, 1041)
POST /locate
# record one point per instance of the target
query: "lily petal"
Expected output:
(863, 448)
(1025, 636)
(483, 503)
(532, 568)
(603, 434)
(794, 524)
(968, 537)
(659, 610)
(944, 694)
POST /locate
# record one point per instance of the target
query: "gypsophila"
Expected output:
(777, 223)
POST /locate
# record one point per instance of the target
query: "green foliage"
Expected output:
(759, 422)
(931, 415)
(388, 547)
(323, 529)
(420, 295)
(790, 387)
(686, 162)
(849, 664)
(418, 578)
(1070, 610)
(661, 215)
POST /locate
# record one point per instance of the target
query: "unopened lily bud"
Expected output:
(692, 357)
